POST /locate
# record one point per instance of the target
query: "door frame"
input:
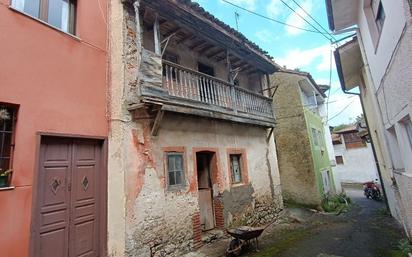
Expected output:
(103, 187)
(212, 173)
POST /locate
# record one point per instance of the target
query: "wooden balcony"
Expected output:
(191, 92)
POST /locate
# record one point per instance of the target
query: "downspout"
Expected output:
(339, 68)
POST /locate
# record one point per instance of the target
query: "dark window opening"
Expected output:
(203, 68)
(380, 17)
(339, 159)
(58, 13)
(7, 127)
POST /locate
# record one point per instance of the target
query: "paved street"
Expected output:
(365, 231)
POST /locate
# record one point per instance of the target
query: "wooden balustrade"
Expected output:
(192, 85)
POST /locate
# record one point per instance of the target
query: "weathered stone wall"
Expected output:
(159, 220)
(296, 166)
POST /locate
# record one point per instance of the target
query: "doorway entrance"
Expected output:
(206, 165)
(69, 198)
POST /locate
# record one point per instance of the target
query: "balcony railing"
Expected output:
(185, 83)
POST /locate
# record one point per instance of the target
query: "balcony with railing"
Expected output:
(188, 91)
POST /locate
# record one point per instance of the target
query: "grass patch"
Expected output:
(287, 240)
(336, 203)
(405, 246)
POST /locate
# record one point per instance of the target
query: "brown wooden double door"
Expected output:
(67, 222)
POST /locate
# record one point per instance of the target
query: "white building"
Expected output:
(355, 163)
(378, 63)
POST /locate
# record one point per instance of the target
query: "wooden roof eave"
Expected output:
(185, 17)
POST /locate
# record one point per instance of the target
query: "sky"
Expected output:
(290, 47)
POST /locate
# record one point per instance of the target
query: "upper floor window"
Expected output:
(58, 13)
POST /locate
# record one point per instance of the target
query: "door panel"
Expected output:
(84, 231)
(53, 199)
(67, 223)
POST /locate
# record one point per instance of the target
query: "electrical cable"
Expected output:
(303, 18)
(271, 19)
(339, 113)
(310, 16)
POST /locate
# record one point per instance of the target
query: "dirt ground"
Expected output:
(366, 230)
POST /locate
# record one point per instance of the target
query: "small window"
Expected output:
(339, 159)
(315, 136)
(236, 168)
(380, 17)
(175, 169)
(7, 127)
(58, 13)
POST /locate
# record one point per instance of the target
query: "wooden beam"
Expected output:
(156, 30)
(184, 39)
(175, 31)
(157, 122)
(206, 48)
(215, 53)
(201, 43)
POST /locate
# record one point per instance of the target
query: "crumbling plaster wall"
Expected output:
(144, 217)
(294, 153)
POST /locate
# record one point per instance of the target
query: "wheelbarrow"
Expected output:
(242, 236)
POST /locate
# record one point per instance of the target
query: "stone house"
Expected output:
(355, 163)
(376, 65)
(304, 164)
(190, 144)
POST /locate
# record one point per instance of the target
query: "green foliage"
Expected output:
(405, 246)
(335, 203)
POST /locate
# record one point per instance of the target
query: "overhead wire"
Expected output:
(339, 113)
(303, 18)
(310, 16)
(271, 19)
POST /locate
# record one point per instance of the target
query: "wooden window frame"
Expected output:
(43, 15)
(243, 166)
(175, 150)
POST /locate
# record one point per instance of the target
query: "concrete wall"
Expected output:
(296, 163)
(59, 83)
(146, 218)
(387, 101)
(358, 164)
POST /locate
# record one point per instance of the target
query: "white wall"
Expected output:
(380, 57)
(358, 164)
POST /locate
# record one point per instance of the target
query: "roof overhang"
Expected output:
(342, 14)
(187, 14)
(348, 59)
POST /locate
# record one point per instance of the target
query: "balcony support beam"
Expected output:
(156, 30)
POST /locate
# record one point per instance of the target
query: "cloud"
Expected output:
(265, 36)
(297, 20)
(275, 8)
(249, 4)
(318, 57)
(340, 101)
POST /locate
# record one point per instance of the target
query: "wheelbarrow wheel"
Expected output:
(235, 248)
